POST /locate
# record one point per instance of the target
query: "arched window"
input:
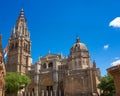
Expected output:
(50, 65)
(21, 30)
(26, 47)
(11, 46)
(44, 65)
(16, 45)
(75, 63)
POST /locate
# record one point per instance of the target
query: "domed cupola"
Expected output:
(79, 56)
(78, 47)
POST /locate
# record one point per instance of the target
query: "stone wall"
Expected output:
(115, 72)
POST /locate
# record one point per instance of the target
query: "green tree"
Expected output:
(15, 82)
(107, 85)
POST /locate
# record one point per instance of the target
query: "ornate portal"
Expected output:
(47, 81)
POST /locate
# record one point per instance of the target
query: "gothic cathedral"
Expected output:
(19, 45)
(52, 74)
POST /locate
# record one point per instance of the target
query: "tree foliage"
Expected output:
(15, 81)
(107, 85)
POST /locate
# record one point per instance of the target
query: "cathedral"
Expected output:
(52, 74)
(19, 44)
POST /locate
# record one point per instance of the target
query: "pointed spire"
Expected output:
(77, 39)
(94, 64)
(21, 13)
(13, 32)
(20, 29)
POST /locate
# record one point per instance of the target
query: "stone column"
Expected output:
(33, 93)
(115, 72)
(0, 92)
(46, 92)
(59, 92)
(51, 93)
(42, 93)
(24, 93)
(55, 93)
(28, 93)
(36, 91)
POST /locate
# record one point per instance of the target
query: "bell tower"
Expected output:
(19, 47)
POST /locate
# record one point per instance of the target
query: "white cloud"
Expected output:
(106, 47)
(115, 23)
(117, 62)
(117, 58)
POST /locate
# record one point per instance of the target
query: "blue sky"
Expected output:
(54, 24)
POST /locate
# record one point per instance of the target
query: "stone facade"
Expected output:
(115, 72)
(81, 78)
(2, 70)
(53, 74)
(73, 76)
(19, 45)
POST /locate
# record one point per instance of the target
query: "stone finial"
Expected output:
(77, 39)
(94, 64)
(22, 13)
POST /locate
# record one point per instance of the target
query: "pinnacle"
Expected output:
(22, 13)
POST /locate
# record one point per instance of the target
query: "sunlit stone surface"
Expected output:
(115, 72)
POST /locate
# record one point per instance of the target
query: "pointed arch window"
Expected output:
(25, 47)
(16, 45)
(12, 46)
(75, 63)
(21, 29)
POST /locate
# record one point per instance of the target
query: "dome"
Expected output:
(78, 46)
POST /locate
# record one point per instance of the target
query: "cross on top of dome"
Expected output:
(77, 40)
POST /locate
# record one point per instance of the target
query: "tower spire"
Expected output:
(21, 13)
(20, 42)
(20, 29)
